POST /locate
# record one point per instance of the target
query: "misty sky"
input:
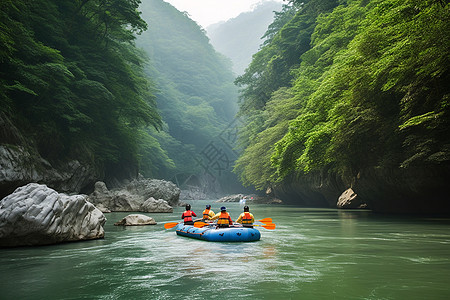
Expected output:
(207, 12)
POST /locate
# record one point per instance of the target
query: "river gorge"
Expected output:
(312, 254)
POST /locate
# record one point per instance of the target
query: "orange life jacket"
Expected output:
(187, 216)
(206, 214)
(224, 218)
(247, 218)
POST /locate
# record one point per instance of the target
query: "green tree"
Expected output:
(71, 72)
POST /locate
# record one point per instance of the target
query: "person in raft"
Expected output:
(187, 215)
(208, 214)
(224, 219)
(246, 218)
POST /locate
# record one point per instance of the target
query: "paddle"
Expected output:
(265, 220)
(170, 225)
(270, 226)
(201, 224)
(173, 224)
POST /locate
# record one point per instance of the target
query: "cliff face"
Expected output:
(411, 190)
(20, 163)
(19, 166)
(314, 190)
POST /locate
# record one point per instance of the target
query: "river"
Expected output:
(312, 254)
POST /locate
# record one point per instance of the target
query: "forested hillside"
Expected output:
(351, 94)
(195, 95)
(239, 38)
(72, 87)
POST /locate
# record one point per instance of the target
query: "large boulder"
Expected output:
(153, 205)
(251, 199)
(349, 199)
(137, 196)
(136, 220)
(231, 198)
(37, 215)
(158, 189)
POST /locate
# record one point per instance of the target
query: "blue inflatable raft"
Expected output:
(210, 233)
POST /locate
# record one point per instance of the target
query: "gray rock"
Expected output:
(139, 195)
(158, 189)
(37, 215)
(136, 220)
(19, 166)
(231, 198)
(153, 205)
(252, 198)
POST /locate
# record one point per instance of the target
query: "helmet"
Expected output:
(223, 208)
(246, 208)
(188, 207)
(208, 206)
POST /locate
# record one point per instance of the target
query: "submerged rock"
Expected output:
(136, 220)
(37, 215)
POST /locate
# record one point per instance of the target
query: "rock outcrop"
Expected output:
(19, 166)
(349, 199)
(37, 215)
(158, 189)
(156, 206)
(268, 199)
(416, 189)
(136, 220)
(144, 195)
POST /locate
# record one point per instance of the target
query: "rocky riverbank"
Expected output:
(413, 190)
(35, 214)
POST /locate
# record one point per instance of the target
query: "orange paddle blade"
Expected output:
(270, 226)
(170, 225)
(266, 220)
(200, 224)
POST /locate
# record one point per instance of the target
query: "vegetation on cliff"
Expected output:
(72, 81)
(348, 85)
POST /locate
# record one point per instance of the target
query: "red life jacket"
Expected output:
(187, 216)
(224, 218)
(247, 218)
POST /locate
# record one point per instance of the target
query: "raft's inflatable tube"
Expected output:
(210, 233)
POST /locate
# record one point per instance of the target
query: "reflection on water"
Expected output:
(312, 254)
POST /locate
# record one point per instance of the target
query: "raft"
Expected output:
(213, 234)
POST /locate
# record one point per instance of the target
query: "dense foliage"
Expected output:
(348, 85)
(195, 92)
(72, 80)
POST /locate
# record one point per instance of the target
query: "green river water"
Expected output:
(312, 254)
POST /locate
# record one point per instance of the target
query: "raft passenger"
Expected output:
(187, 215)
(246, 218)
(224, 218)
(208, 214)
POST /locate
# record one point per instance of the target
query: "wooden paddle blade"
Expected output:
(270, 226)
(170, 225)
(266, 220)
